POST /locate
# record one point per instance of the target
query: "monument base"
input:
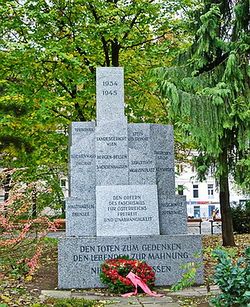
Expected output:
(79, 259)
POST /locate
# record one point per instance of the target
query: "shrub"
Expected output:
(114, 272)
(233, 278)
(188, 278)
(240, 216)
(21, 239)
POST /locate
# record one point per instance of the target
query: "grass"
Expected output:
(70, 302)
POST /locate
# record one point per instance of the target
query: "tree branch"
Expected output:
(133, 22)
(213, 64)
(60, 114)
(146, 41)
(63, 85)
(86, 60)
(104, 42)
(131, 25)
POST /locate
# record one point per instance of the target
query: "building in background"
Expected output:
(202, 197)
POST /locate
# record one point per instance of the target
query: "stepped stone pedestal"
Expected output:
(122, 195)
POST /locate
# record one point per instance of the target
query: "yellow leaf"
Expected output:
(5, 298)
(28, 278)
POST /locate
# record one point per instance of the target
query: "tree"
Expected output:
(52, 47)
(21, 239)
(208, 92)
(48, 54)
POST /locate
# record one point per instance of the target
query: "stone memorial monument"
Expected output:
(122, 195)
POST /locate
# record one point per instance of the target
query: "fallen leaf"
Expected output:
(28, 278)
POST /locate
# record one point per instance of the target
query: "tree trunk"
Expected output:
(226, 217)
(115, 49)
(34, 200)
(6, 188)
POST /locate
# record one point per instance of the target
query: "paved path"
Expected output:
(170, 299)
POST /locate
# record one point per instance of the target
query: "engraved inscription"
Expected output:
(170, 209)
(166, 253)
(109, 84)
(84, 129)
(138, 136)
(127, 208)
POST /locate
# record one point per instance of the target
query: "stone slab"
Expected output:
(82, 156)
(81, 216)
(79, 130)
(80, 186)
(162, 144)
(141, 167)
(109, 94)
(79, 259)
(112, 154)
(127, 210)
(139, 137)
(173, 215)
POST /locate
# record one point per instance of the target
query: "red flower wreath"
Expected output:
(114, 272)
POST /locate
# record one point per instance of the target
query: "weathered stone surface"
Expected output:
(162, 144)
(141, 157)
(141, 167)
(82, 176)
(79, 130)
(139, 137)
(173, 215)
(112, 154)
(110, 94)
(81, 216)
(80, 206)
(79, 259)
(80, 186)
(127, 210)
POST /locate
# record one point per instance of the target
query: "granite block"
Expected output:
(173, 215)
(127, 210)
(79, 130)
(139, 137)
(79, 259)
(109, 94)
(112, 154)
(82, 163)
(79, 186)
(81, 216)
(141, 167)
(82, 154)
(162, 144)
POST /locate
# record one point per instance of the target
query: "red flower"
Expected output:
(114, 270)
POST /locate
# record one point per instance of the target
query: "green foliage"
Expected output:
(208, 92)
(233, 278)
(50, 242)
(37, 188)
(68, 302)
(188, 278)
(51, 51)
(12, 258)
(240, 215)
(48, 54)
